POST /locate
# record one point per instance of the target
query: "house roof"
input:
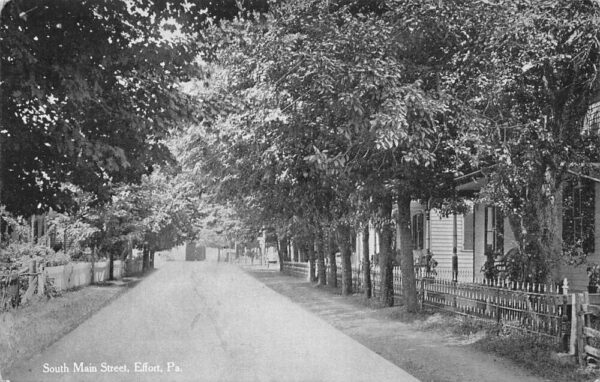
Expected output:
(474, 181)
(473, 185)
(592, 172)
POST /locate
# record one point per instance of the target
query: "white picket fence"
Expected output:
(537, 308)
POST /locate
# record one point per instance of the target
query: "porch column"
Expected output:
(454, 248)
(474, 225)
(428, 227)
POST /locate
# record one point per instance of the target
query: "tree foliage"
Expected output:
(540, 80)
(89, 94)
(328, 110)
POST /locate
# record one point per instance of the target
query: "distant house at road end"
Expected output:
(269, 245)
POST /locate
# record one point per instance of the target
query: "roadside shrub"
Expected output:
(28, 250)
(76, 254)
(83, 254)
(17, 255)
(57, 258)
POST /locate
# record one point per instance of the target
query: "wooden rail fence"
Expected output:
(530, 308)
(12, 283)
(586, 341)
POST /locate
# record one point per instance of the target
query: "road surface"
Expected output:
(205, 322)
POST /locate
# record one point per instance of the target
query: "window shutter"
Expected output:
(417, 231)
(499, 230)
(488, 242)
(421, 231)
(413, 230)
(578, 213)
(468, 231)
(568, 224)
(591, 122)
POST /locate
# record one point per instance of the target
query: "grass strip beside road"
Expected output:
(28, 330)
(458, 340)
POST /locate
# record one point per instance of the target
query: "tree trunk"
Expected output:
(386, 256)
(295, 251)
(39, 221)
(366, 262)
(93, 281)
(111, 266)
(407, 263)
(129, 253)
(283, 251)
(46, 233)
(312, 273)
(331, 250)
(538, 230)
(65, 241)
(344, 242)
(145, 258)
(321, 270)
(32, 229)
(2, 201)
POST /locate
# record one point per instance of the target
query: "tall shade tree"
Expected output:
(328, 102)
(532, 74)
(89, 94)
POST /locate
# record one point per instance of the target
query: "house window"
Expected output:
(494, 230)
(468, 231)
(591, 122)
(417, 231)
(578, 214)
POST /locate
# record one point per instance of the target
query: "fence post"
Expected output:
(586, 322)
(564, 330)
(31, 273)
(573, 341)
(372, 272)
(580, 335)
(41, 278)
(498, 318)
(422, 299)
(454, 294)
(32, 282)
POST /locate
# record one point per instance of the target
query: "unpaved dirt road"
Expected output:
(205, 322)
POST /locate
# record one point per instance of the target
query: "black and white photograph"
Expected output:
(300, 190)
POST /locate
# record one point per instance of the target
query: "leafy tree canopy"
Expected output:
(89, 94)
